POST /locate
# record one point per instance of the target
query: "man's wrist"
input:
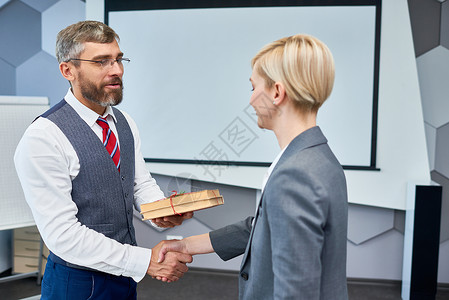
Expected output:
(138, 263)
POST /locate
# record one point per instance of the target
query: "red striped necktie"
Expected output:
(110, 141)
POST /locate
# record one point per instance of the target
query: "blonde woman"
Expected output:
(295, 246)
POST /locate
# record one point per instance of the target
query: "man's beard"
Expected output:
(99, 96)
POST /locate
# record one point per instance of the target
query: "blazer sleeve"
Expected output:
(230, 241)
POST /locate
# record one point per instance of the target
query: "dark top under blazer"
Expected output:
(296, 248)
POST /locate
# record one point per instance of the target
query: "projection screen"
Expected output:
(187, 86)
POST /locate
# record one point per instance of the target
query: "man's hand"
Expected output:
(172, 221)
(197, 244)
(172, 268)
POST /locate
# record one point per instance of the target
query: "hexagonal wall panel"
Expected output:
(443, 262)
(444, 31)
(40, 76)
(441, 150)
(380, 257)
(425, 26)
(40, 5)
(444, 182)
(7, 78)
(3, 2)
(21, 40)
(431, 135)
(56, 18)
(433, 72)
(365, 222)
(399, 220)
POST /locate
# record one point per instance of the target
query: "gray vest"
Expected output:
(103, 195)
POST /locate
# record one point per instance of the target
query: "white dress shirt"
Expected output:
(270, 169)
(267, 176)
(46, 163)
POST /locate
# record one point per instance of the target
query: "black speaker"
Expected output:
(426, 242)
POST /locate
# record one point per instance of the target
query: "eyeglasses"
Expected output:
(105, 63)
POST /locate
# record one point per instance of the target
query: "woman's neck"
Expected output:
(291, 124)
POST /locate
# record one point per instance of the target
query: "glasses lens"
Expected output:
(109, 62)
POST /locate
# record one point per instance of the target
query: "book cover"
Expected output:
(181, 203)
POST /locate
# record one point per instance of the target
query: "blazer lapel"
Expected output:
(248, 246)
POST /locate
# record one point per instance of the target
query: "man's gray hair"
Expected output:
(70, 41)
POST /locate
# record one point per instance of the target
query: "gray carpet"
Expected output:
(202, 284)
(195, 284)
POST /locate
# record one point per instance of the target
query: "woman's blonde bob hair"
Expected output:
(303, 64)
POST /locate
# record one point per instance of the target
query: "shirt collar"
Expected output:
(270, 169)
(88, 115)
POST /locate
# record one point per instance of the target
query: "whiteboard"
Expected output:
(187, 84)
(17, 113)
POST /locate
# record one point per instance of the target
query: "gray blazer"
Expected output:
(296, 246)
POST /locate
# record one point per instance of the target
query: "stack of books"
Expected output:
(181, 203)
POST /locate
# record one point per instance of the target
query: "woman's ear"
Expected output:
(279, 93)
(67, 70)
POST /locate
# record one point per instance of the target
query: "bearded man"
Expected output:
(82, 171)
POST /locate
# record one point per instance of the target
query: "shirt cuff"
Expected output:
(138, 262)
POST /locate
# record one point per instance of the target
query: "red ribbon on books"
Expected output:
(171, 203)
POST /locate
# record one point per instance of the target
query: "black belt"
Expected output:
(56, 259)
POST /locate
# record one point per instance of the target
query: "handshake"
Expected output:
(169, 258)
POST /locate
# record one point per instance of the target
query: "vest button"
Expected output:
(123, 177)
(126, 195)
(129, 211)
(244, 276)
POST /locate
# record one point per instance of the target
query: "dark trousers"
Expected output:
(61, 282)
